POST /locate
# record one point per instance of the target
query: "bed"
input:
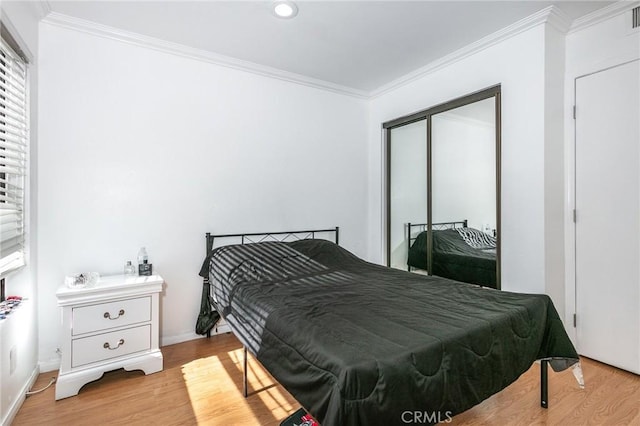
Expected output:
(357, 343)
(459, 253)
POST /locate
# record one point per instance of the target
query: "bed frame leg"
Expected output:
(544, 383)
(244, 378)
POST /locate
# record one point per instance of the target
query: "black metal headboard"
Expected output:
(257, 237)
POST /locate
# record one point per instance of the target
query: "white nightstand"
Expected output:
(114, 324)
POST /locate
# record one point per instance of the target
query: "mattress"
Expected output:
(361, 344)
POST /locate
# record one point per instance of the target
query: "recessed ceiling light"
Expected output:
(284, 9)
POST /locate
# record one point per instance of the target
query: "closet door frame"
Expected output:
(426, 114)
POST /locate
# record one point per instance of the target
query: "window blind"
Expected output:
(13, 157)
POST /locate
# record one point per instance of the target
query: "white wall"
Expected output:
(518, 64)
(590, 48)
(554, 205)
(18, 333)
(144, 148)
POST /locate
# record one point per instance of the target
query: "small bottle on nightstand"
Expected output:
(129, 269)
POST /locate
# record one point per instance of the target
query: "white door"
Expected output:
(607, 197)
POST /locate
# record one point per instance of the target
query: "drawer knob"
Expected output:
(108, 346)
(107, 315)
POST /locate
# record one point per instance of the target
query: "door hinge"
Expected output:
(574, 112)
(575, 321)
(574, 215)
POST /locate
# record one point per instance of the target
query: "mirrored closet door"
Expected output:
(408, 185)
(443, 186)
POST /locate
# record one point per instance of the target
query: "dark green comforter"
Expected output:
(360, 344)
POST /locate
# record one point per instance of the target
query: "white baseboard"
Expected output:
(172, 340)
(49, 365)
(13, 410)
(179, 338)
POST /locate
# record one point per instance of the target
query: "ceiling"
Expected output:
(360, 45)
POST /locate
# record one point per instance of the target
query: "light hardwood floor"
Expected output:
(202, 385)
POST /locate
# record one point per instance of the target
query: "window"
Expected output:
(13, 157)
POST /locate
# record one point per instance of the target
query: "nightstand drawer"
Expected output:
(104, 316)
(110, 345)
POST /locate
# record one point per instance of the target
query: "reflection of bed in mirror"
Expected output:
(459, 253)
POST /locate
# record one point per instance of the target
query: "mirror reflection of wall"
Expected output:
(408, 185)
(463, 145)
(443, 211)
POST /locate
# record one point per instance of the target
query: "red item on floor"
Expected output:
(300, 418)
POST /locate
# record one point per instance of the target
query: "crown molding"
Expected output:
(531, 21)
(43, 8)
(603, 14)
(104, 31)
(559, 20)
